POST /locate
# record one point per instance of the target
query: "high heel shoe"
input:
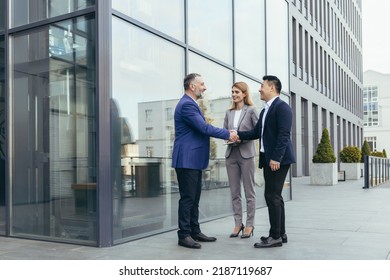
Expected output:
(238, 232)
(247, 235)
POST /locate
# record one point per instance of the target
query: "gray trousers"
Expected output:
(239, 170)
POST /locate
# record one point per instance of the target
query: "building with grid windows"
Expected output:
(326, 76)
(376, 105)
(88, 89)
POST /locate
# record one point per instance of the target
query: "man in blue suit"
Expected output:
(276, 155)
(190, 156)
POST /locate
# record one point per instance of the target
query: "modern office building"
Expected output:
(326, 76)
(376, 104)
(88, 90)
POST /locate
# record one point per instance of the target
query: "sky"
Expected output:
(376, 35)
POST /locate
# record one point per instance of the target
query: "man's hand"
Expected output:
(233, 136)
(275, 165)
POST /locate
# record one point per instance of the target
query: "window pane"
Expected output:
(210, 28)
(54, 132)
(166, 16)
(148, 77)
(2, 136)
(277, 42)
(2, 14)
(250, 45)
(28, 11)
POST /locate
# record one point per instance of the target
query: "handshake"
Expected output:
(234, 136)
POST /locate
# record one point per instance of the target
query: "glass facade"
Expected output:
(53, 132)
(166, 16)
(2, 135)
(54, 110)
(250, 44)
(148, 67)
(28, 11)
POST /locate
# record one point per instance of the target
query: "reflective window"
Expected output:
(166, 16)
(2, 136)
(210, 28)
(28, 11)
(147, 81)
(250, 45)
(278, 44)
(2, 14)
(54, 131)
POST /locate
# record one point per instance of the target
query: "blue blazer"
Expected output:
(277, 133)
(191, 148)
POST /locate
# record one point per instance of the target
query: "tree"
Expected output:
(384, 153)
(324, 153)
(366, 150)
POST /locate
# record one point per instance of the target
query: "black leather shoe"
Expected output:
(203, 238)
(269, 242)
(189, 243)
(283, 236)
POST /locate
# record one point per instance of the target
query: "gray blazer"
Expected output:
(247, 121)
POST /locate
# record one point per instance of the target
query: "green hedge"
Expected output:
(350, 154)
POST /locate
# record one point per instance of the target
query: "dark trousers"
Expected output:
(190, 187)
(274, 181)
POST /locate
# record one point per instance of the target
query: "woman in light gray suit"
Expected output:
(240, 158)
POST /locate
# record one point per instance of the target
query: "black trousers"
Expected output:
(190, 187)
(274, 182)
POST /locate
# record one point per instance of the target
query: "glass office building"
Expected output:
(87, 94)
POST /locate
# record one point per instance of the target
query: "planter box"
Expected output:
(352, 170)
(324, 174)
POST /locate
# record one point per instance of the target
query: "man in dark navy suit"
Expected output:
(276, 155)
(190, 156)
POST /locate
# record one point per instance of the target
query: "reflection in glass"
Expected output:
(2, 135)
(147, 83)
(250, 37)
(166, 16)
(2, 14)
(210, 28)
(54, 132)
(277, 42)
(28, 11)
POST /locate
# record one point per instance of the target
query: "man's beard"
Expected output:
(198, 94)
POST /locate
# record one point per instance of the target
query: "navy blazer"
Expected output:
(277, 133)
(192, 136)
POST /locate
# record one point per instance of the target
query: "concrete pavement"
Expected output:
(341, 222)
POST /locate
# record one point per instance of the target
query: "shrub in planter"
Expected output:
(350, 154)
(350, 162)
(324, 153)
(324, 169)
(377, 154)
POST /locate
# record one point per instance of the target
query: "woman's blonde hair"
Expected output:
(245, 89)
